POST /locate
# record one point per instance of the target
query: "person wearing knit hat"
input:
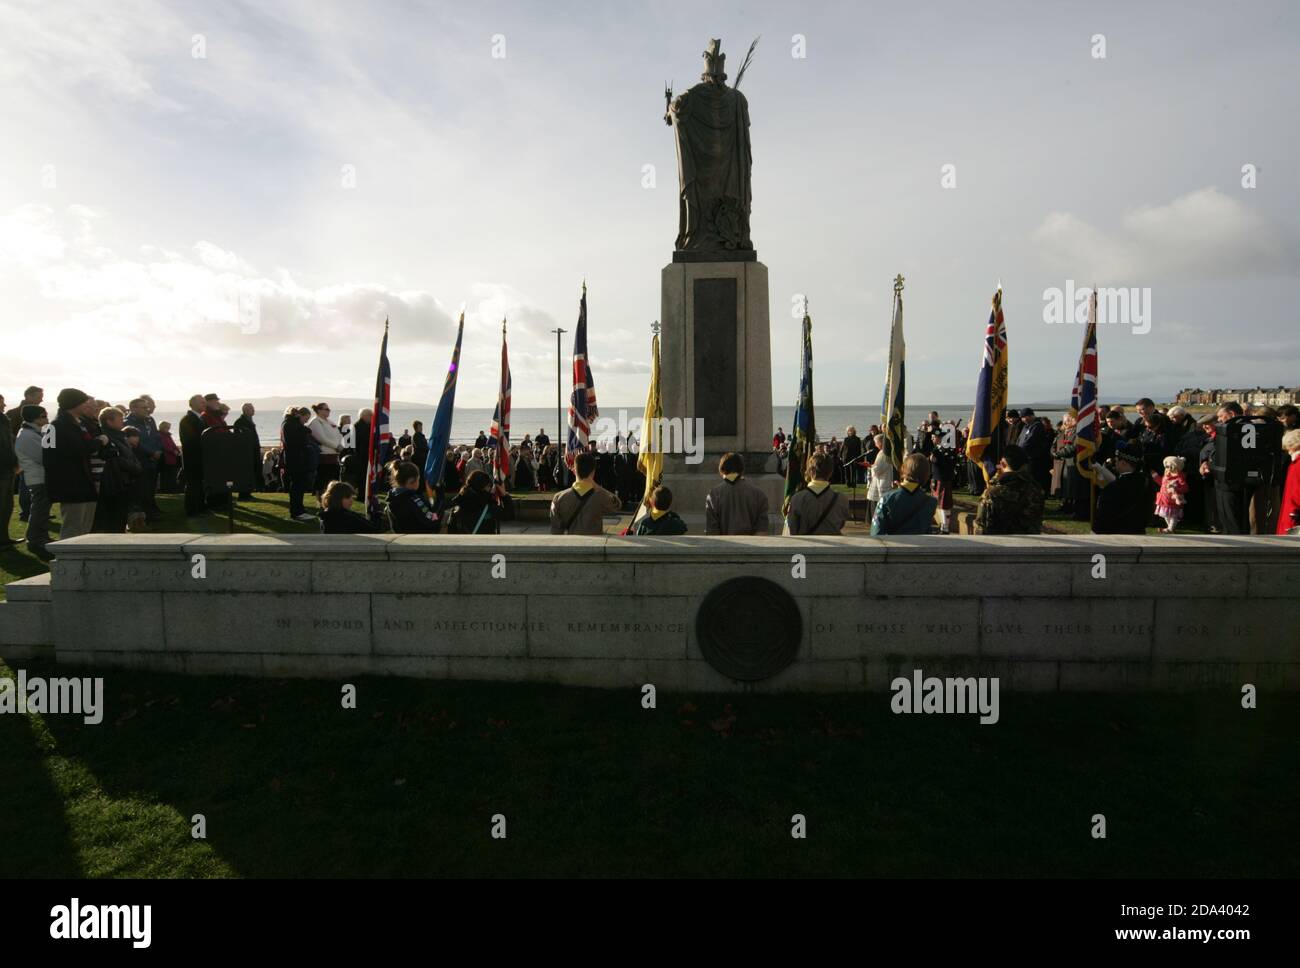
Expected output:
(68, 476)
(72, 398)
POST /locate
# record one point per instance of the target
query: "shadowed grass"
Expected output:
(590, 783)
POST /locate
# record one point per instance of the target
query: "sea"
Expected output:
(468, 422)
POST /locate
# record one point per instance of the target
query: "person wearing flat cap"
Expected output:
(1122, 501)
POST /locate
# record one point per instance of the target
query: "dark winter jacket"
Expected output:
(669, 523)
(409, 512)
(67, 464)
(343, 521)
(465, 514)
(1123, 505)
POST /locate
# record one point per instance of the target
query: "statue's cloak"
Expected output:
(711, 122)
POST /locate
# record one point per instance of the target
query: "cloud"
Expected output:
(204, 301)
(493, 302)
(97, 46)
(618, 365)
(1203, 234)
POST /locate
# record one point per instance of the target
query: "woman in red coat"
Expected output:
(1289, 516)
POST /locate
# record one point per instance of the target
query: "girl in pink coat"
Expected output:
(1171, 500)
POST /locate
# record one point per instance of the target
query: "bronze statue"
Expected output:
(711, 125)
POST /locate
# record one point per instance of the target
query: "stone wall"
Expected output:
(1171, 613)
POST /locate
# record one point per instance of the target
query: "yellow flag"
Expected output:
(651, 459)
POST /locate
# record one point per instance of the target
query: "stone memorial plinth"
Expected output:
(716, 373)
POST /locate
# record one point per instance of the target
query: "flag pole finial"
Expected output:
(898, 283)
(654, 327)
(385, 324)
(503, 326)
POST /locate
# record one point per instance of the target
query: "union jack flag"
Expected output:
(499, 436)
(582, 402)
(379, 447)
(1083, 400)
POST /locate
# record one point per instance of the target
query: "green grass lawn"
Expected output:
(291, 784)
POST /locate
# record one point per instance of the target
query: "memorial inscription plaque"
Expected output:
(749, 628)
(715, 355)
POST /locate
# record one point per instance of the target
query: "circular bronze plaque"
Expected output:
(749, 628)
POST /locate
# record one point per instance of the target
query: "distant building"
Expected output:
(1271, 396)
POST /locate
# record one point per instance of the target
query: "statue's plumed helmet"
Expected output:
(715, 62)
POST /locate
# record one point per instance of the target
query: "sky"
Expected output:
(232, 197)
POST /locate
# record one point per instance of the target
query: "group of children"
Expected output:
(472, 511)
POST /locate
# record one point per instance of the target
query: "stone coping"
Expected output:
(1202, 549)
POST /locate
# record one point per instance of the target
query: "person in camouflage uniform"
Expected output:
(1013, 501)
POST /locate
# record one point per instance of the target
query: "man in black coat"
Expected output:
(191, 429)
(245, 425)
(1122, 502)
(359, 468)
(68, 476)
(852, 453)
(1036, 442)
(421, 445)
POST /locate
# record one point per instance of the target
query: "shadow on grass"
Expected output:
(35, 839)
(592, 784)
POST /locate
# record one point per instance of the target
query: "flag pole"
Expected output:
(559, 383)
(1096, 409)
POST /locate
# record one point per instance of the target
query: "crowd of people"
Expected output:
(105, 464)
(1163, 468)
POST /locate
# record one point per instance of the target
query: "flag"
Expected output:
(380, 447)
(582, 402)
(803, 433)
(650, 461)
(499, 437)
(440, 432)
(984, 445)
(1083, 400)
(891, 417)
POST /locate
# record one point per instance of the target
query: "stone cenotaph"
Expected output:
(715, 343)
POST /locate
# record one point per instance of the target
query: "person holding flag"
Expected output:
(895, 386)
(499, 437)
(582, 402)
(440, 432)
(803, 433)
(1083, 407)
(380, 446)
(650, 460)
(985, 445)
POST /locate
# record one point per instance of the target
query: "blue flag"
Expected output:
(440, 432)
(803, 434)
